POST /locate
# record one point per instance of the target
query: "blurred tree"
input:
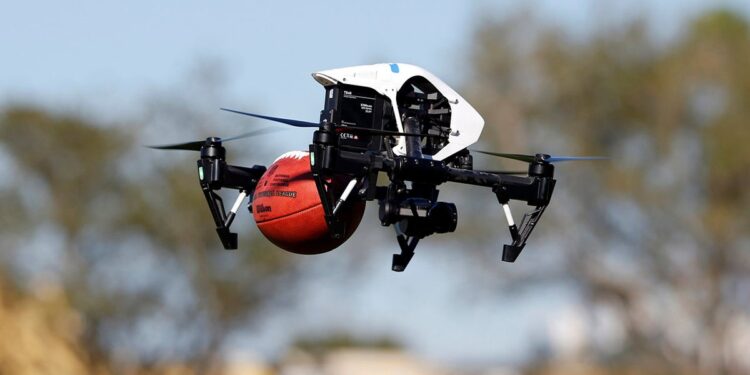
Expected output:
(137, 254)
(319, 346)
(657, 237)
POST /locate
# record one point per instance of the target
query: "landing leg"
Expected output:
(407, 244)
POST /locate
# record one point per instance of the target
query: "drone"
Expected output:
(396, 121)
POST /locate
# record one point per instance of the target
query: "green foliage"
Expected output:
(71, 157)
(137, 243)
(659, 230)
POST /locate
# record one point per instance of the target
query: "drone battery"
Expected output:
(357, 107)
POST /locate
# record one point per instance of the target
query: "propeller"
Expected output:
(196, 145)
(541, 157)
(340, 129)
(297, 123)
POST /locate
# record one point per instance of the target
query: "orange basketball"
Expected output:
(288, 210)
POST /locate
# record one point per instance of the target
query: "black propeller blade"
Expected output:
(188, 146)
(340, 129)
(557, 159)
(196, 145)
(542, 157)
(297, 123)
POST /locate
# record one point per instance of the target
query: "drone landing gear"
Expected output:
(223, 220)
(512, 251)
(214, 174)
(407, 244)
(323, 154)
(336, 226)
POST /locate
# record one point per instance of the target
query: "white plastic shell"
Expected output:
(386, 79)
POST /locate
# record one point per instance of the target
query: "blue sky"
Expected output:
(61, 54)
(105, 56)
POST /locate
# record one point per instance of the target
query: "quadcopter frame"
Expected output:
(415, 212)
(414, 137)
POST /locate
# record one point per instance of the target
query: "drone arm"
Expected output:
(241, 178)
(215, 174)
(534, 190)
(436, 172)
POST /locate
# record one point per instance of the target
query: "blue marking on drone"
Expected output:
(394, 68)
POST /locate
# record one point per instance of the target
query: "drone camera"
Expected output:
(419, 217)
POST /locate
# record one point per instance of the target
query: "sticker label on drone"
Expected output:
(348, 136)
(350, 95)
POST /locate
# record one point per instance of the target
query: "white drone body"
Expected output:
(387, 79)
